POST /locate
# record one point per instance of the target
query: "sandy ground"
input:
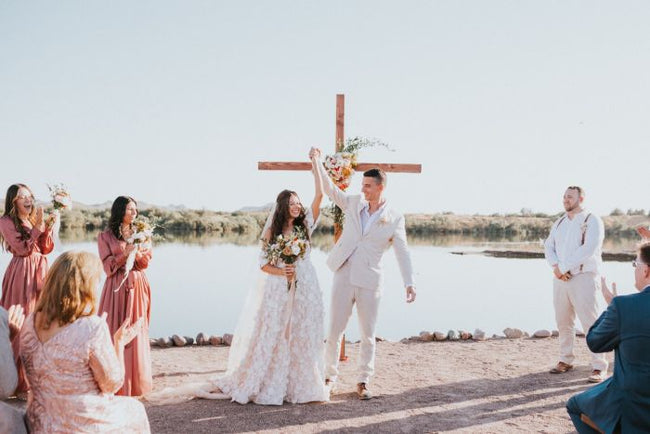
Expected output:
(491, 386)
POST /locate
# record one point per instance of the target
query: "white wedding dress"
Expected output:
(278, 346)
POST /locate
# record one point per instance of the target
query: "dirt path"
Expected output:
(492, 386)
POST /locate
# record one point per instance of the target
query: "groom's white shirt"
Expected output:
(364, 249)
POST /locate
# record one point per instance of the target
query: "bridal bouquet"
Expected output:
(286, 249)
(141, 237)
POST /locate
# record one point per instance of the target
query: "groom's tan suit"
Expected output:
(356, 263)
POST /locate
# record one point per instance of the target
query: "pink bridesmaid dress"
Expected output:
(73, 376)
(25, 274)
(132, 300)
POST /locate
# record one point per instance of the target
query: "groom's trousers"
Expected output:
(344, 297)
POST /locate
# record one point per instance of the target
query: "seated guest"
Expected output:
(11, 419)
(622, 403)
(72, 366)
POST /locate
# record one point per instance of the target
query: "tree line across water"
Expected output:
(218, 223)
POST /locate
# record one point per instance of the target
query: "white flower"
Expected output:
(295, 249)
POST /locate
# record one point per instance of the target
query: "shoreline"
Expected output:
(478, 335)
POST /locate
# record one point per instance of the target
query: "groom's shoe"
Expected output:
(561, 368)
(362, 392)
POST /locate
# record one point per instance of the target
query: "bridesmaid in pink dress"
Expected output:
(133, 299)
(25, 234)
(72, 365)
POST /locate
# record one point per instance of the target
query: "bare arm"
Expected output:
(335, 194)
(318, 188)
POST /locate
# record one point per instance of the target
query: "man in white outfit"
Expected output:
(371, 226)
(573, 249)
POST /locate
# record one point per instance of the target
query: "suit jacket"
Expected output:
(625, 328)
(365, 251)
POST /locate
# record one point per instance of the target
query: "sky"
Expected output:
(504, 103)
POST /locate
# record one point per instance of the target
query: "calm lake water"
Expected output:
(199, 285)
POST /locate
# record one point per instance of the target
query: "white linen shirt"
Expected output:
(564, 244)
(366, 219)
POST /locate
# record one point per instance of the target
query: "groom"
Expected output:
(371, 226)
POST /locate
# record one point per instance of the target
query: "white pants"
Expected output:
(344, 296)
(577, 296)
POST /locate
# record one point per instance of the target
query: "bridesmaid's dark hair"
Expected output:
(282, 214)
(10, 211)
(117, 214)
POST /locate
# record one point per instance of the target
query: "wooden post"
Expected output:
(340, 123)
(338, 146)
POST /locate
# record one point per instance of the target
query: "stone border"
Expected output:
(425, 336)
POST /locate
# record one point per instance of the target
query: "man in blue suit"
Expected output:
(621, 403)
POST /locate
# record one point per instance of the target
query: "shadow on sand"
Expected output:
(432, 408)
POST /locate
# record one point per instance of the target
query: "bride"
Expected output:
(277, 350)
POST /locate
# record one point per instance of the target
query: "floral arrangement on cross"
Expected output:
(341, 166)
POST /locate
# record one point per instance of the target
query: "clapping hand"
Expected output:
(127, 332)
(51, 219)
(16, 320)
(410, 294)
(607, 294)
(644, 231)
(38, 222)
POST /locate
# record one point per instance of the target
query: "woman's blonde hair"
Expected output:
(69, 289)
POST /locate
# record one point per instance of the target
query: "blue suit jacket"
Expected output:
(625, 396)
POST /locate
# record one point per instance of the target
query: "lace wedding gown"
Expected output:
(277, 353)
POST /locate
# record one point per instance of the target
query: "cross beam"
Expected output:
(386, 167)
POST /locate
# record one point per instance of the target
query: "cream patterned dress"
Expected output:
(283, 360)
(73, 376)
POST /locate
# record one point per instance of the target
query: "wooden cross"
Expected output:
(339, 144)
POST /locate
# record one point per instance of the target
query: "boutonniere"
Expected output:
(383, 220)
(583, 227)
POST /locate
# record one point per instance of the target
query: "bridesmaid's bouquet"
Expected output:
(142, 237)
(61, 199)
(286, 249)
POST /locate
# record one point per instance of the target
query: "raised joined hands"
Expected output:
(314, 153)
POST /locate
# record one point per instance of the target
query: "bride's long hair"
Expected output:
(282, 214)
